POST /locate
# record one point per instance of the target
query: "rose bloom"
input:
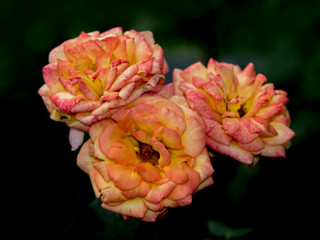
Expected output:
(95, 72)
(151, 155)
(244, 117)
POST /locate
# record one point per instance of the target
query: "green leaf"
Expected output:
(220, 229)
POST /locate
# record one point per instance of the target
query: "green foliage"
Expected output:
(220, 229)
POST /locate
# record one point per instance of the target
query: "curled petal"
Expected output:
(65, 101)
(148, 172)
(233, 150)
(165, 159)
(284, 135)
(123, 177)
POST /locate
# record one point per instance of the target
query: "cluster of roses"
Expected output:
(147, 150)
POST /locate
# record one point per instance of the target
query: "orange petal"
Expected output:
(84, 160)
(132, 208)
(203, 165)
(160, 192)
(121, 154)
(164, 159)
(176, 173)
(123, 177)
(140, 191)
(194, 138)
(169, 137)
(148, 172)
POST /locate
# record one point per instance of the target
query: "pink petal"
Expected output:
(127, 90)
(284, 135)
(116, 31)
(254, 146)
(124, 178)
(213, 90)
(273, 151)
(233, 150)
(196, 69)
(124, 77)
(51, 78)
(65, 100)
(108, 96)
(75, 138)
(85, 106)
(269, 112)
(158, 59)
(143, 50)
(259, 126)
(214, 130)
(237, 131)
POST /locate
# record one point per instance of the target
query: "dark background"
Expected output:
(47, 196)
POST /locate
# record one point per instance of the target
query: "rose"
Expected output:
(93, 73)
(150, 156)
(243, 117)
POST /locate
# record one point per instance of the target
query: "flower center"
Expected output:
(148, 154)
(242, 110)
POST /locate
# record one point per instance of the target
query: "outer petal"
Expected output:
(233, 150)
(133, 208)
(284, 135)
(196, 132)
(84, 160)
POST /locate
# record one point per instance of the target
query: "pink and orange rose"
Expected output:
(95, 72)
(150, 156)
(244, 117)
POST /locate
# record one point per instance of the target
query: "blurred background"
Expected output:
(48, 196)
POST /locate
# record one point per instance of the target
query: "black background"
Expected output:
(47, 196)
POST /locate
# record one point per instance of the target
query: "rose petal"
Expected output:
(196, 132)
(133, 208)
(75, 138)
(284, 134)
(123, 177)
(148, 172)
(233, 150)
(84, 160)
